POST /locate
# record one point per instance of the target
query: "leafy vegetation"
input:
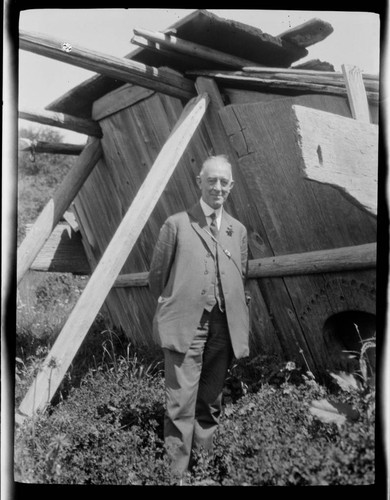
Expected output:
(280, 427)
(109, 430)
(38, 176)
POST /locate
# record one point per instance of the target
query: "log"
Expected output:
(248, 80)
(63, 252)
(91, 300)
(308, 33)
(341, 152)
(57, 148)
(357, 97)
(55, 208)
(194, 49)
(352, 258)
(61, 120)
(118, 68)
(321, 261)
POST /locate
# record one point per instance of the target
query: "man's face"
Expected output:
(215, 182)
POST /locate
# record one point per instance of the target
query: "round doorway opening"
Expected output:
(350, 339)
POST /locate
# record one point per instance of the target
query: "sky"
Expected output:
(355, 41)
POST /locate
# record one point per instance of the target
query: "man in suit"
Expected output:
(201, 321)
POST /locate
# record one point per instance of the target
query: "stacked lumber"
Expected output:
(255, 75)
(199, 27)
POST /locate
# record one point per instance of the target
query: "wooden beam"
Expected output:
(341, 152)
(61, 120)
(55, 208)
(352, 258)
(112, 261)
(130, 280)
(118, 68)
(247, 80)
(321, 261)
(308, 33)
(213, 124)
(57, 148)
(176, 58)
(337, 75)
(371, 83)
(357, 97)
(63, 252)
(194, 49)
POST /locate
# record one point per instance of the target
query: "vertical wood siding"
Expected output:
(283, 213)
(296, 216)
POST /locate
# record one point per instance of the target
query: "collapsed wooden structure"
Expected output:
(303, 145)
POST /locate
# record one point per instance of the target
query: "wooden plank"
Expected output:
(334, 75)
(371, 83)
(63, 252)
(248, 80)
(194, 49)
(112, 261)
(61, 120)
(57, 148)
(340, 152)
(321, 261)
(176, 59)
(308, 33)
(119, 99)
(356, 93)
(54, 209)
(122, 69)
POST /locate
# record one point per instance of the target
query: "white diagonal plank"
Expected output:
(356, 90)
(67, 344)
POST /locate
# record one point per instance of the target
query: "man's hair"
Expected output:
(224, 158)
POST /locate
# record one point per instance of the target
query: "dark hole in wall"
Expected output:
(345, 334)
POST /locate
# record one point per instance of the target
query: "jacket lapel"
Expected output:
(226, 231)
(199, 223)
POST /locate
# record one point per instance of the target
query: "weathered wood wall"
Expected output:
(288, 214)
(283, 212)
(132, 138)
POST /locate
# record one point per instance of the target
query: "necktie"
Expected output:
(213, 225)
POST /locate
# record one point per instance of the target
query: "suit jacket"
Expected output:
(181, 271)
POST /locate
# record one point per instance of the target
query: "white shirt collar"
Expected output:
(207, 210)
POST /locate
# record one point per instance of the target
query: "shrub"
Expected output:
(269, 438)
(108, 431)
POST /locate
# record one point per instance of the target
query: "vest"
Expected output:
(215, 293)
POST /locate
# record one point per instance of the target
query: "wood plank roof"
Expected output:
(200, 27)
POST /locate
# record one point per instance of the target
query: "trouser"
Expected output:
(194, 383)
